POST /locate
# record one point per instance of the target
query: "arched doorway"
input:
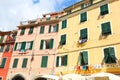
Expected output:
(18, 77)
(40, 78)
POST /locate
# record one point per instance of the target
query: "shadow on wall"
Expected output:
(18, 77)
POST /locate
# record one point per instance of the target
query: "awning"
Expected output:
(50, 77)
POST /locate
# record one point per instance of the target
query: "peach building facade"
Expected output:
(35, 48)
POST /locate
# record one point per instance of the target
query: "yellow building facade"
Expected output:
(89, 38)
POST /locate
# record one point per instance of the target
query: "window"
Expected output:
(1, 39)
(3, 63)
(83, 58)
(1, 48)
(31, 30)
(69, 12)
(106, 28)
(109, 55)
(15, 63)
(53, 28)
(41, 29)
(24, 63)
(87, 4)
(29, 45)
(47, 44)
(22, 31)
(83, 35)
(0, 78)
(17, 46)
(44, 61)
(61, 60)
(23, 46)
(63, 39)
(7, 48)
(64, 24)
(104, 9)
(48, 19)
(83, 17)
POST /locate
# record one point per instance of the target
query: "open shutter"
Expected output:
(15, 63)
(31, 30)
(57, 61)
(3, 63)
(65, 60)
(85, 57)
(2, 48)
(24, 64)
(112, 55)
(41, 44)
(44, 61)
(57, 27)
(31, 45)
(41, 29)
(15, 46)
(49, 29)
(23, 45)
(51, 43)
(106, 55)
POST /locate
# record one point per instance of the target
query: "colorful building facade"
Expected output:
(7, 40)
(35, 48)
(89, 38)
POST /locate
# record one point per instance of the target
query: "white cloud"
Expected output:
(14, 11)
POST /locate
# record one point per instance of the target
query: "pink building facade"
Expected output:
(35, 49)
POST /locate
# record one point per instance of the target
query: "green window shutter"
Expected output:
(31, 30)
(51, 43)
(112, 55)
(31, 45)
(15, 63)
(23, 45)
(15, 46)
(2, 48)
(41, 44)
(65, 60)
(44, 61)
(57, 27)
(106, 28)
(3, 63)
(57, 61)
(24, 63)
(7, 48)
(2, 38)
(48, 19)
(104, 9)
(83, 33)
(42, 30)
(64, 24)
(106, 55)
(83, 17)
(49, 29)
(22, 31)
(85, 57)
(63, 39)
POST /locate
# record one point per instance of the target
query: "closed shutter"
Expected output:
(41, 44)
(2, 48)
(57, 61)
(106, 28)
(23, 45)
(15, 63)
(49, 29)
(63, 40)
(22, 31)
(3, 63)
(42, 30)
(85, 57)
(112, 55)
(83, 17)
(51, 43)
(31, 30)
(104, 9)
(1, 40)
(44, 61)
(65, 60)
(64, 24)
(31, 45)
(83, 33)
(24, 63)
(15, 46)
(106, 55)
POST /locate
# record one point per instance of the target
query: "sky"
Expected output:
(14, 11)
